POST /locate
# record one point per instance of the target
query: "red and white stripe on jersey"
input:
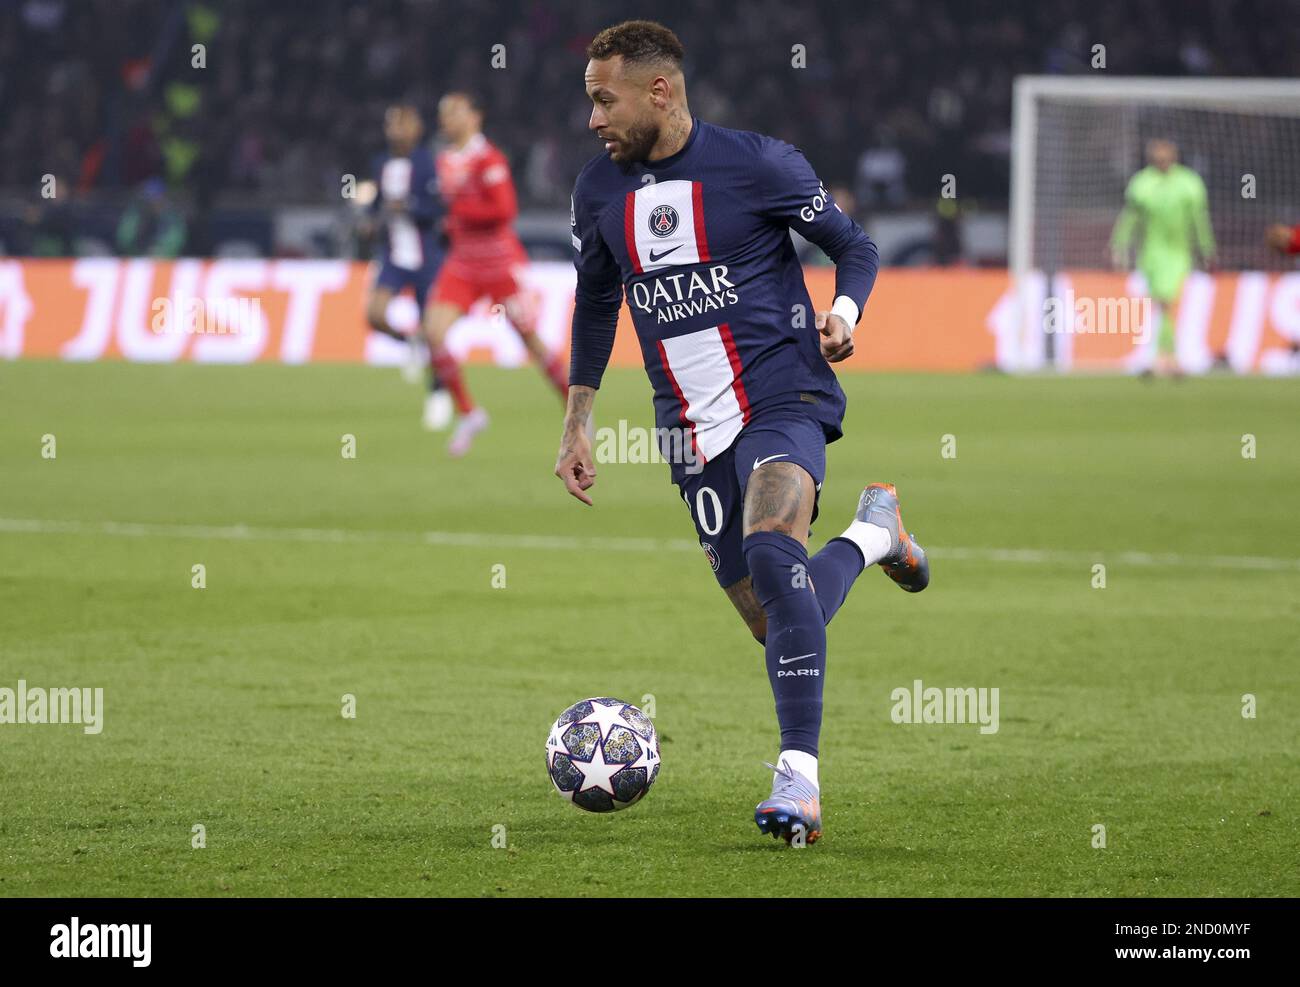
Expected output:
(664, 225)
(704, 371)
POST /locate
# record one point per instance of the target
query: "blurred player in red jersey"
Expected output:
(474, 178)
(1284, 239)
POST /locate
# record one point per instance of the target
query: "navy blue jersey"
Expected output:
(700, 244)
(410, 237)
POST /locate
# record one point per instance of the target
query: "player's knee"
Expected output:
(432, 333)
(517, 315)
(778, 569)
(437, 320)
(778, 498)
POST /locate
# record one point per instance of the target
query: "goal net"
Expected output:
(1077, 140)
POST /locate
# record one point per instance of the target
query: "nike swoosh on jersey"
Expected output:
(760, 462)
(655, 257)
(785, 661)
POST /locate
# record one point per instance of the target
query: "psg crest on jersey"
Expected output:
(663, 220)
(712, 554)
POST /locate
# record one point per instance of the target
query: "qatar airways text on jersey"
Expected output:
(699, 244)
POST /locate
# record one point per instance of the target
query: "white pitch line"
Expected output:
(475, 539)
(243, 532)
(1052, 556)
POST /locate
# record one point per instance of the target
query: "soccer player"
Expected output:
(409, 255)
(475, 180)
(693, 221)
(1168, 201)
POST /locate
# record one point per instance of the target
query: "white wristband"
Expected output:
(847, 309)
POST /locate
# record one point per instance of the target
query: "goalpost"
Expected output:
(1076, 142)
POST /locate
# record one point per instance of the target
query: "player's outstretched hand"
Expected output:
(575, 466)
(837, 337)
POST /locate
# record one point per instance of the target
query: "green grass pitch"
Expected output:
(1120, 706)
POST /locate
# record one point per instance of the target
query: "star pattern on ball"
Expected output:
(606, 714)
(579, 777)
(596, 773)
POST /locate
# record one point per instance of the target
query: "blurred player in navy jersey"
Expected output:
(408, 212)
(693, 221)
(484, 259)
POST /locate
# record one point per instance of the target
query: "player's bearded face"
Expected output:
(636, 143)
(628, 123)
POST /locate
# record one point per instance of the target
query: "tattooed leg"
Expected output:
(778, 509)
(780, 498)
(741, 595)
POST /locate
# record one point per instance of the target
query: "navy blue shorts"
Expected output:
(396, 278)
(715, 496)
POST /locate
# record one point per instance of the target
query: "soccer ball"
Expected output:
(602, 754)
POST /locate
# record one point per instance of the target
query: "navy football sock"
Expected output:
(833, 570)
(796, 635)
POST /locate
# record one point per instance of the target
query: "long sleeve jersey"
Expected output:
(699, 243)
(1171, 211)
(481, 208)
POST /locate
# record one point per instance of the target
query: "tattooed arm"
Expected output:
(574, 465)
(596, 300)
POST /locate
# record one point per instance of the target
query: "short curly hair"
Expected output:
(640, 43)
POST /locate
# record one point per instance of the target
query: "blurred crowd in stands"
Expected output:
(177, 106)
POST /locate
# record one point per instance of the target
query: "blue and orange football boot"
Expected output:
(794, 807)
(906, 563)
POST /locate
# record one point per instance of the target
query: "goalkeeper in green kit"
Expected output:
(1167, 201)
